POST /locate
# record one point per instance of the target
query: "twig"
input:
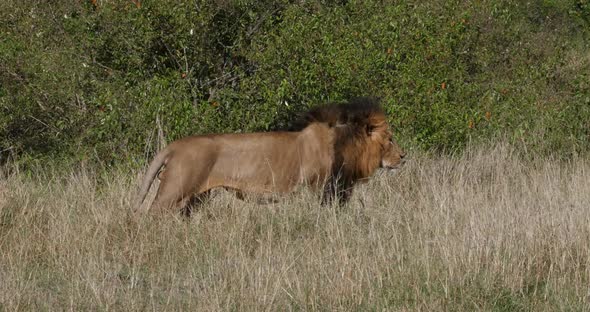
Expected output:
(7, 149)
(46, 125)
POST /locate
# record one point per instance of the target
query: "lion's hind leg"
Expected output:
(169, 202)
(172, 195)
(180, 187)
(195, 202)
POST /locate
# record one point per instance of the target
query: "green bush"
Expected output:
(85, 81)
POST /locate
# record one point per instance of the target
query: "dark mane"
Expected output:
(354, 113)
(359, 128)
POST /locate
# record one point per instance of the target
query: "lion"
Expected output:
(332, 148)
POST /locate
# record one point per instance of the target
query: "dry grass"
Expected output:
(481, 231)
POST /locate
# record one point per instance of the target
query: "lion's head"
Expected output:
(392, 156)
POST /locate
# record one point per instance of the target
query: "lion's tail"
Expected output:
(160, 160)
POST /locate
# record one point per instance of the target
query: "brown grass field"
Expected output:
(483, 231)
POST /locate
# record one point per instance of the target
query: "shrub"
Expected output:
(98, 79)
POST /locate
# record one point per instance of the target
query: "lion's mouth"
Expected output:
(393, 167)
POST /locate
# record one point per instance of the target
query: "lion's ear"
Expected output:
(373, 129)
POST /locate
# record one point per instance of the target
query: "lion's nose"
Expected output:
(402, 155)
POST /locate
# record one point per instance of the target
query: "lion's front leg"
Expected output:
(337, 189)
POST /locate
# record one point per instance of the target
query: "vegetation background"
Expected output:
(94, 80)
(492, 97)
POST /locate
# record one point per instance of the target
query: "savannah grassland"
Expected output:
(461, 227)
(487, 230)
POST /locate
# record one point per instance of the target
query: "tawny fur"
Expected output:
(332, 148)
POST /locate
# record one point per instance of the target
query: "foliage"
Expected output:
(99, 79)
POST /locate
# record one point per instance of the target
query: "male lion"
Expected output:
(332, 148)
